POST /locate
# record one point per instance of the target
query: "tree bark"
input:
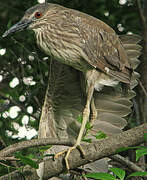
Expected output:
(94, 151)
(142, 98)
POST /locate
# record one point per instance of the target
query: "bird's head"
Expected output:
(33, 18)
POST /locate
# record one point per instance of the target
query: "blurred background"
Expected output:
(24, 68)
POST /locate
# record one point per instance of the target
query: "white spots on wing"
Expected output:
(78, 19)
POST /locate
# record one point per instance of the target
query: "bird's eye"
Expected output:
(38, 15)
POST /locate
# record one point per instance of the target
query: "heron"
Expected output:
(82, 42)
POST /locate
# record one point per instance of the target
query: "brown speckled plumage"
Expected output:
(80, 40)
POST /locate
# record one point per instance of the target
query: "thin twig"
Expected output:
(143, 88)
(4, 165)
(127, 163)
(8, 159)
(141, 12)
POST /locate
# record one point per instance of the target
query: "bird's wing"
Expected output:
(103, 49)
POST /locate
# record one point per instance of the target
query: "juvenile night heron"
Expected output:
(83, 42)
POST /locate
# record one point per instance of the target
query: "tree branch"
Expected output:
(94, 151)
(141, 12)
(33, 143)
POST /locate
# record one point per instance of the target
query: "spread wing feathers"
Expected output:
(65, 101)
(133, 51)
(103, 50)
(111, 107)
(130, 38)
(132, 48)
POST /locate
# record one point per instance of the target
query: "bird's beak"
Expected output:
(21, 25)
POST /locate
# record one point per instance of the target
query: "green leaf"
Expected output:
(26, 160)
(49, 155)
(118, 172)
(101, 176)
(80, 119)
(127, 148)
(88, 126)
(44, 148)
(100, 135)
(87, 140)
(1, 124)
(140, 152)
(121, 150)
(145, 137)
(138, 174)
(9, 24)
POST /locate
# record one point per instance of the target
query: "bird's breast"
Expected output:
(62, 50)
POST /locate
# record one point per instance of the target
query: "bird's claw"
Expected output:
(68, 153)
(59, 154)
(70, 150)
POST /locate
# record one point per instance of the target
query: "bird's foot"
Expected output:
(70, 150)
(59, 154)
(68, 153)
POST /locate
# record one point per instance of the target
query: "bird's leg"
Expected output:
(86, 114)
(93, 112)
